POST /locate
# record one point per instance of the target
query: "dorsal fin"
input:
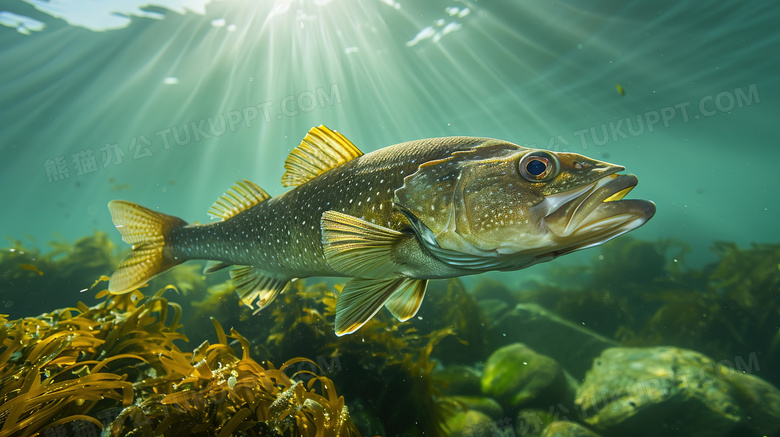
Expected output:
(240, 197)
(321, 150)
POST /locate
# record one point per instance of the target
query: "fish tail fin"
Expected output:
(148, 232)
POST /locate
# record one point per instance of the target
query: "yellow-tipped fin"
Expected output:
(406, 301)
(362, 298)
(253, 287)
(357, 248)
(321, 150)
(240, 197)
(147, 232)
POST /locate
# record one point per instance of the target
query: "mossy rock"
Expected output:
(759, 399)
(571, 345)
(655, 391)
(458, 380)
(533, 421)
(493, 309)
(488, 406)
(516, 376)
(567, 429)
(467, 423)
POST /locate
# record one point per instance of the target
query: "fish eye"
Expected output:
(539, 166)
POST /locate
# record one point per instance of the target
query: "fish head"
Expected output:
(499, 206)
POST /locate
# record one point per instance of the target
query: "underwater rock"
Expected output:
(532, 422)
(759, 399)
(573, 346)
(516, 375)
(567, 429)
(458, 380)
(488, 406)
(466, 424)
(661, 390)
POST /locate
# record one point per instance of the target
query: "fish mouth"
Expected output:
(596, 213)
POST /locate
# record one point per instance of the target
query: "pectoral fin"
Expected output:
(254, 287)
(361, 299)
(357, 248)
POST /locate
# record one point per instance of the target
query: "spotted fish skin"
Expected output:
(390, 220)
(283, 235)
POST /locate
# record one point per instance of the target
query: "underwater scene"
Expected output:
(389, 218)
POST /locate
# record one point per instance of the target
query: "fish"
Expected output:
(31, 268)
(620, 89)
(390, 220)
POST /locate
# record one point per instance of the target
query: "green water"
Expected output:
(167, 106)
(532, 74)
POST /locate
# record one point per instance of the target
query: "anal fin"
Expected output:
(255, 288)
(361, 299)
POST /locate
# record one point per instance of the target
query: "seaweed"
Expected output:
(384, 368)
(74, 363)
(55, 369)
(732, 308)
(216, 393)
(30, 276)
(299, 324)
(453, 311)
(388, 366)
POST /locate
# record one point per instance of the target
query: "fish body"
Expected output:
(391, 220)
(283, 234)
(31, 268)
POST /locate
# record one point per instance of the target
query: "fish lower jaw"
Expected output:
(596, 231)
(606, 229)
(603, 199)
